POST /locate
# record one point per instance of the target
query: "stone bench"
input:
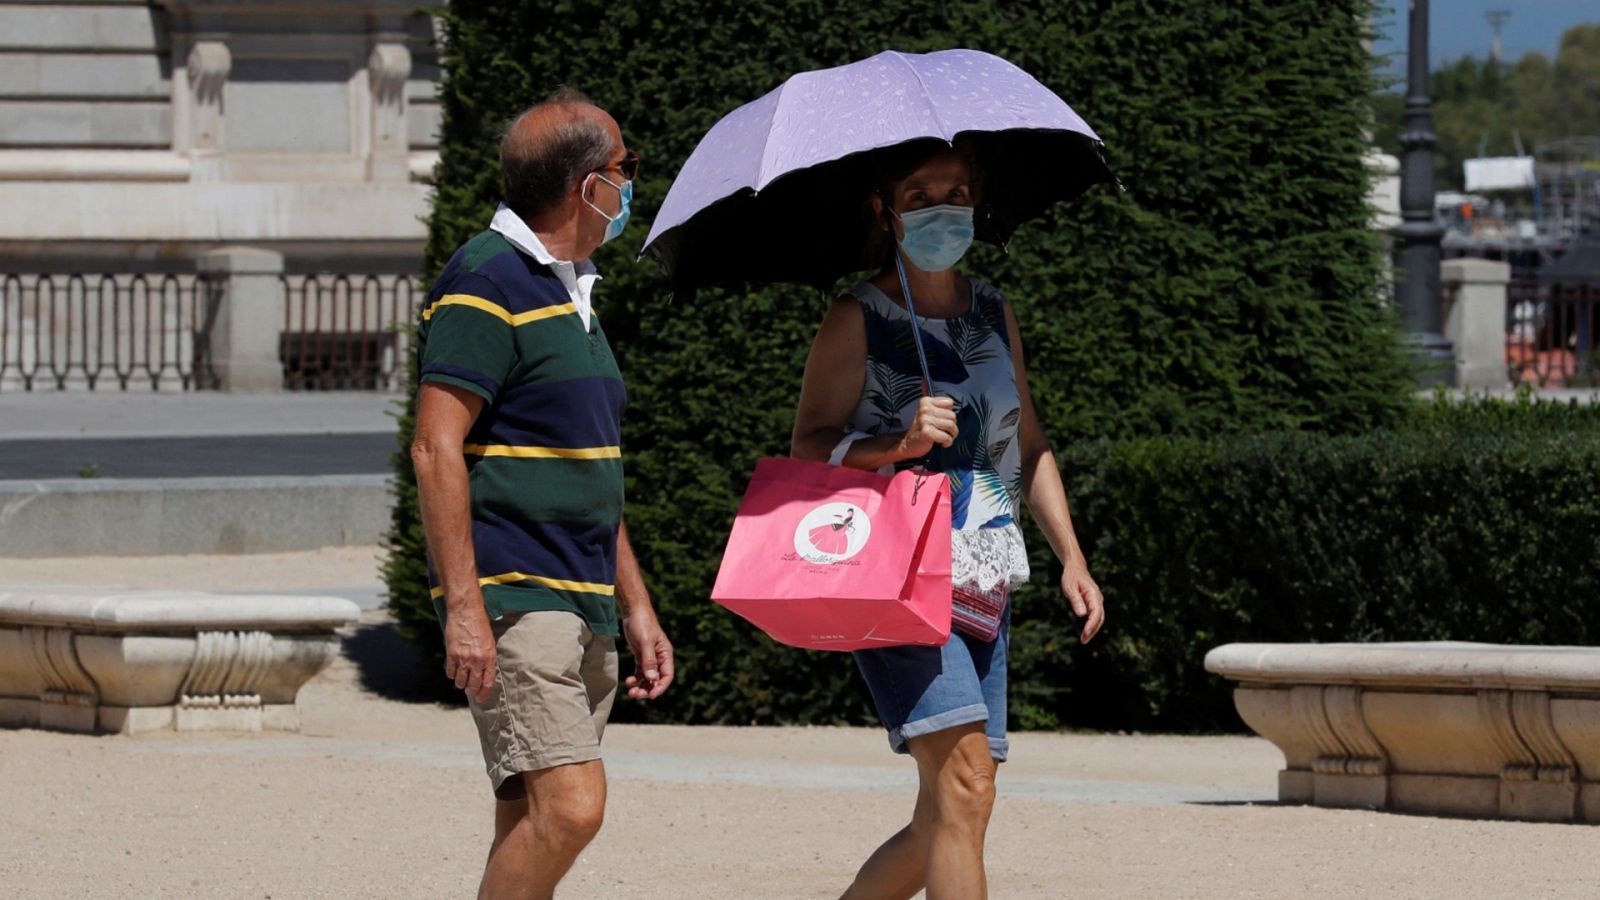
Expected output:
(99, 660)
(1444, 728)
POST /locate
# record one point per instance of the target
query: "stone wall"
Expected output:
(84, 76)
(135, 135)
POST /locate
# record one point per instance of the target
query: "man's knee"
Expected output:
(576, 821)
(568, 804)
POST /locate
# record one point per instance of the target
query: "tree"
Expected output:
(1483, 109)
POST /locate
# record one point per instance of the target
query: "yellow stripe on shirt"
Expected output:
(498, 311)
(542, 452)
(582, 587)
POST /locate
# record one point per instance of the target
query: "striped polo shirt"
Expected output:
(544, 458)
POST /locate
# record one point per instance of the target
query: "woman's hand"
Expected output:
(1087, 601)
(935, 423)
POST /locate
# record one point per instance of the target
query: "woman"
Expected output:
(862, 405)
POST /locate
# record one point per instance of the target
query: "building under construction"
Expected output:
(1541, 215)
(1531, 225)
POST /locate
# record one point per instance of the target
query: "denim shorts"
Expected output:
(920, 690)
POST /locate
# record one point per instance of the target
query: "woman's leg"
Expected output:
(956, 769)
(898, 868)
(942, 848)
(934, 701)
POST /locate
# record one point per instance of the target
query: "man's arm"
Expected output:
(444, 415)
(652, 652)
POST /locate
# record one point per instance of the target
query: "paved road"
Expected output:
(197, 457)
(101, 414)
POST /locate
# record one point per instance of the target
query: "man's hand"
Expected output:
(1087, 601)
(652, 655)
(469, 651)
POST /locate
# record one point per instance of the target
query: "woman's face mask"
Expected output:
(936, 237)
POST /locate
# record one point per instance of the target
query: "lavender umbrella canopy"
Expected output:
(776, 190)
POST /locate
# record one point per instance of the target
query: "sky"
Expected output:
(1457, 28)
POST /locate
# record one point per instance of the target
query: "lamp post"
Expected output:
(1417, 236)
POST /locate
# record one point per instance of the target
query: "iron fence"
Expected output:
(347, 332)
(86, 331)
(1551, 332)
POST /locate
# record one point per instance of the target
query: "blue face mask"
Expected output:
(936, 237)
(620, 221)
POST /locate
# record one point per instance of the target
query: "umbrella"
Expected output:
(775, 190)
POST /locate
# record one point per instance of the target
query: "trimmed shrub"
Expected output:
(1474, 523)
(1232, 287)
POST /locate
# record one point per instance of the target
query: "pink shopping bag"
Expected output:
(831, 558)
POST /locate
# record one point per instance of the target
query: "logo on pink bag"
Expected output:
(832, 533)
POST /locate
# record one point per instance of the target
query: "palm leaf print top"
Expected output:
(969, 357)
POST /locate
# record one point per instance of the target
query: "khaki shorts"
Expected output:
(555, 681)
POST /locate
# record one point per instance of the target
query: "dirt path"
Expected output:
(382, 798)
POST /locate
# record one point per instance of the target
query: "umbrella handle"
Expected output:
(916, 326)
(922, 359)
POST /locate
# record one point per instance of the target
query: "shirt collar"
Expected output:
(512, 228)
(577, 278)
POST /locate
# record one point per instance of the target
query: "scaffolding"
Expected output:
(1567, 196)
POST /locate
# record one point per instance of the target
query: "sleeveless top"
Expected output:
(969, 357)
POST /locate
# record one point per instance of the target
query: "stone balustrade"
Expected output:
(100, 660)
(1443, 728)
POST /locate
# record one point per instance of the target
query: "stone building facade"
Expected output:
(145, 131)
(137, 137)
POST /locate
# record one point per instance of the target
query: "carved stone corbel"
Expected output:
(209, 64)
(1537, 780)
(70, 694)
(388, 68)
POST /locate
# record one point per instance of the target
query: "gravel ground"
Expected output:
(387, 798)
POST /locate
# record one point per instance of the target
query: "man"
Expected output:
(519, 479)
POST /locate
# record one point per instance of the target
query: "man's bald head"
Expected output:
(551, 147)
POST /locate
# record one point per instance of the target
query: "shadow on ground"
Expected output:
(391, 668)
(1239, 803)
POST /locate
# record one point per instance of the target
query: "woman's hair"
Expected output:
(894, 165)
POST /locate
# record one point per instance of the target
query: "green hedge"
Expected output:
(1232, 287)
(1475, 523)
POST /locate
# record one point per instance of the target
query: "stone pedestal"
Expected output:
(1475, 319)
(247, 327)
(98, 660)
(1445, 728)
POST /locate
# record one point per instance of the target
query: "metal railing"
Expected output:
(87, 331)
(347, 332)
(1551, 332)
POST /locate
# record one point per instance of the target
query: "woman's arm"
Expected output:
(1047, 499)
(836, 371)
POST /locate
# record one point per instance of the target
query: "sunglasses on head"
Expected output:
(628, 166)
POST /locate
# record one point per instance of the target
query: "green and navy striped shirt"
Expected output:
(544, 458)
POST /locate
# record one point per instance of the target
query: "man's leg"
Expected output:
(563, 812)
(507, 813)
